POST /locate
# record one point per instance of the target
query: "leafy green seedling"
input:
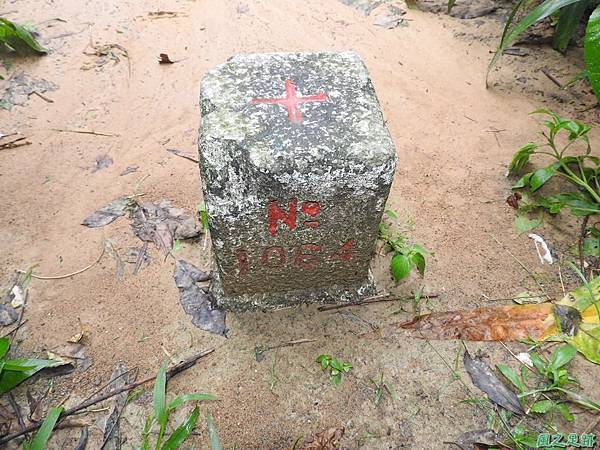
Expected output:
(203, 216)
(405, 256)
(43, 435)
(335, 367)
(162, 412)
(567, 143)
(381, 387)
(15, 371)
(18, 38)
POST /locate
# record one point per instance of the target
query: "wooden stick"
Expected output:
(86, 404)
(95, 133)
(374, 299)
(552, 78)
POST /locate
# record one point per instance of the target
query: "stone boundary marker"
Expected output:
(296, 166)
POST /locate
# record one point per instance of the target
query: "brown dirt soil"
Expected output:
(450, 184)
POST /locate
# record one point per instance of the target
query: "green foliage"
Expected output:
(15, 371)
(18, 38)
(203, 216)
(215, 444)
(41, 438)
(335, 367)
(591, 51)
(578, 167)
(570, 13)
(381, 387)
(162, 412)
(405, 256)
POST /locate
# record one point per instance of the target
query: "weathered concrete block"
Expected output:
(296, 166)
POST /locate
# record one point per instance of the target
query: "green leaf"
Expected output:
(570, 16)
(591, 246)
(587, 342)
(419, 261)
(18, 38)
(510, 34)
(521, 158)
(591, 51)
(511, 376)
(523, 181)
(450, 5)
(561, 357)
(563, 409)
(400, 266)
(336, 379)
(4, 346)
(538, 363)
(524, 224)
(160, 401)
(215, 444)
(182, 432)
(391, 214)
(42, 436)
(15, 371)
(542, 407)
(336, 365)
(540, 176)
(178, 401)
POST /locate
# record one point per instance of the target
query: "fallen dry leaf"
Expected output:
(197, 301)
(163, 58)
(498, 323)
(485, 379)
(108, 213)
(162, 224)
(328, 439)
(479, 440)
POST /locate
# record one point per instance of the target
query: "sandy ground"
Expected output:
(450, 184)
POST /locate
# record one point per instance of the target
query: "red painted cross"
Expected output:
(291, 101)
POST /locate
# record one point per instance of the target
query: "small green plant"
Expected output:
(18, 38)
(567, 144)
(405, 255)
(381, 387)
(43, 435)
(335, 367)
(550, 386)
(569, 13)
(15, 371)
(202, 216)
(162, 412)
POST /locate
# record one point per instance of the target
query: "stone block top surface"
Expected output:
(302, 117)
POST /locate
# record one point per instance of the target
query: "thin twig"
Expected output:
(375, 299)
(183, 154)
(290, 343)
(77, 272)
(68, 412)
(552, 78)
(95, 133)
(18, 142)
(17, 409)
(43, 97)
(15, 328)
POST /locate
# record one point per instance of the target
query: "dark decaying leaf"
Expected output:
(102, 162)
(513, 200)
(128, 170)
(108, 213)
(568, 319)
(478, 440)
(196, 301)
(163, 58)
(83, 439)
(112, 433)
(499, 323)
(485, 379)
(8, 315)
(20, 87)
(365, 6)
(162, 224)
(73, 353)
(328, 439)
